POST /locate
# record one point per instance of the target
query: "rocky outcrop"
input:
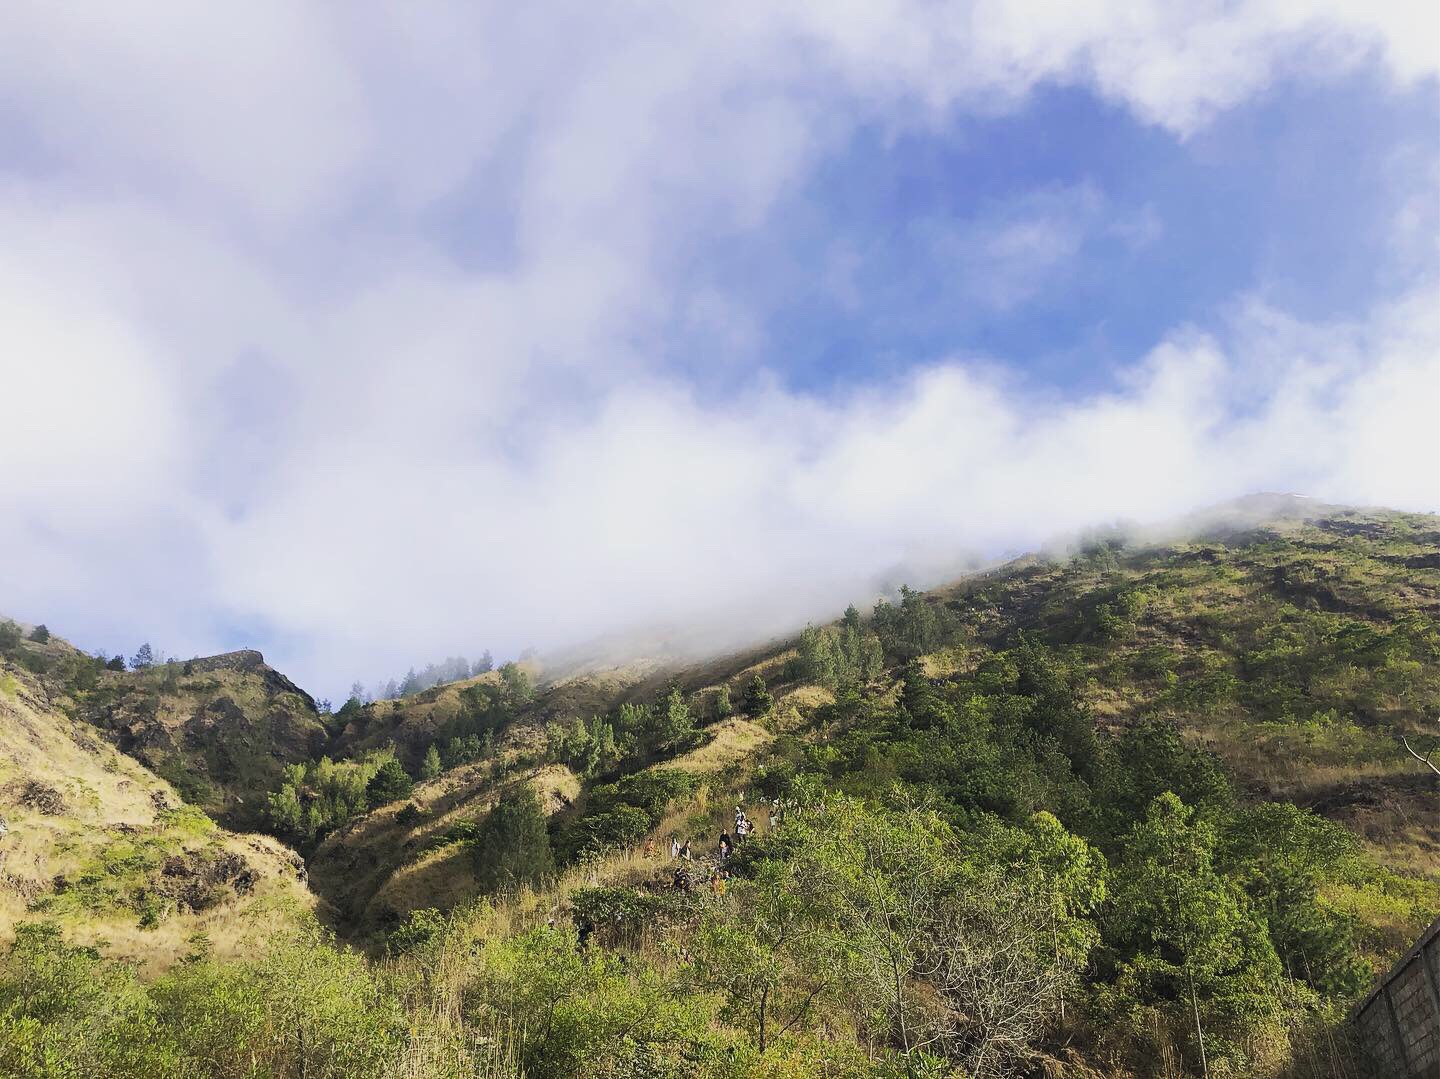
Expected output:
(220, 728)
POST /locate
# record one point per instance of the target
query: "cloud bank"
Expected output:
(360, 339)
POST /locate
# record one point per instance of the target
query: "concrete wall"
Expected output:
(1399, 1021)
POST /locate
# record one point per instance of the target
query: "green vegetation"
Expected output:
(316, 798)
(512, 847)
(390, 783)
(1143, 811)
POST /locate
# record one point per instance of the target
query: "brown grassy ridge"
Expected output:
(100, 844)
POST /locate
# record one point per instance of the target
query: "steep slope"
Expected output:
(1097, 776)
(1300, 649)
(97, 843)
(221, 728)
(1295, 640)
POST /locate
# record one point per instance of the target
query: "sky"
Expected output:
(369, 334)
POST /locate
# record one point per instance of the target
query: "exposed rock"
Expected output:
(26, 888)
(199, 880)
(43, 799)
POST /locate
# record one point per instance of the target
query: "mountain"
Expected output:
(1138, 804)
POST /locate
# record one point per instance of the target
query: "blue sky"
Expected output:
(1288, 195)
(369, 337)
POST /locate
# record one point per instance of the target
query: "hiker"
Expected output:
(739, 818)
(682, 880)
(674, 847)
(685, 850)
(717, 882)
(725, 847)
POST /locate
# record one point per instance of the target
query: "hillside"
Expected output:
(1137, 806)
(1299, 650)
(107, 850)
(220, 729)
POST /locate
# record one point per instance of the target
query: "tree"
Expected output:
(760, 953)
(675, 722)
(512, 847)
(389, 784)
(430, 767)
(485, 664)
(10, 636)
(758, 701)
(40, 634)
(115, 663)
(817, 656)
(1282, 855)
(143, 658)
(722, 708)
(516, 684)
(1192, 943)
(284, 812)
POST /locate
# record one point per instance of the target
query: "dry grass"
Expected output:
(733, 740)
(375, 864)
(106, 801)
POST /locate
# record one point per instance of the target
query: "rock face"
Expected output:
(247, 659)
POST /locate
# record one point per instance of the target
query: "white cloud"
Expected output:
(249, 376)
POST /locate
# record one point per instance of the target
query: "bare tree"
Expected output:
(1427, 760)
(998, 977)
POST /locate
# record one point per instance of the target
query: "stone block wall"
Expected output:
(1399, 1022)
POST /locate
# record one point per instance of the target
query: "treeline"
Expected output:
(450, 669)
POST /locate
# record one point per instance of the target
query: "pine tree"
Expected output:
(675, 722)
(722, 706)
(758, 701)
(512, 848)
(40, 634)
(389, 784)
(431, 767)
(143, 658)
(1196, 946)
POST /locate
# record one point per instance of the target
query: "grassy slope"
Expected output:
(1298, 651)
(103, 846)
